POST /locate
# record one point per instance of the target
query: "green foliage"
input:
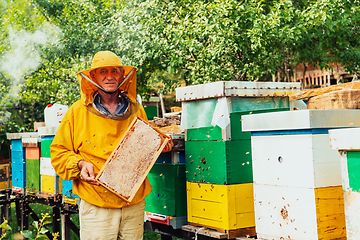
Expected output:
(44, 43)
(206, 41)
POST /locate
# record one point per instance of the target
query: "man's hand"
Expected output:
(87, 172)
(168, 146)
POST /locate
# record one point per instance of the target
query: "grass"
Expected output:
(39, 209)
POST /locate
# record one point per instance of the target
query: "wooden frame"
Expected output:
(139, 169)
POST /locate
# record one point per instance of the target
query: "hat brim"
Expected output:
(126, 68)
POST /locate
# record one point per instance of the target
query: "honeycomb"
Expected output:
(132, 159)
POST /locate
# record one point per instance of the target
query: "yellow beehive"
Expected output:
(227, 207)
(51, 184)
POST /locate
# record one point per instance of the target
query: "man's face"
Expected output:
(108, 77)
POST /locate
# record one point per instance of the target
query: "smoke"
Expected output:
(24, 56)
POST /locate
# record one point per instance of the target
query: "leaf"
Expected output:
(26, 233)
(43, 230)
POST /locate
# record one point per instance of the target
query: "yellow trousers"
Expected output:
(98, 223)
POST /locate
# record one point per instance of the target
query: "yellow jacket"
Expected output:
(83, 135)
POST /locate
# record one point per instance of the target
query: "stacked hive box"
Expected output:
(18, 160)
(32, 155)
(218, 153)
(347, 141)
(166, 203)
(50, 182)
(297, 179)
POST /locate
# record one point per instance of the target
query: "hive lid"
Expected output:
(235, 89)
(11, 136)
(301, 119)
(345, 139)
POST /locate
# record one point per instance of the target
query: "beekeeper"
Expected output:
(87, 135)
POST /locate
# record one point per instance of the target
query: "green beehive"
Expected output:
(45, 146)
(32, 175)
(219, 162)
(168, 195)
(216, 133)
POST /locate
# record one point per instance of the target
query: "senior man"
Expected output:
(87, 135)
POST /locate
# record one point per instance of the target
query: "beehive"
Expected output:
(50, 181)
(295, 171)
(227, 207)
(18, 158)
(347, 142)
(168, 195)
(32, 155)
(67, 192)
(218, 162)
(130, 162)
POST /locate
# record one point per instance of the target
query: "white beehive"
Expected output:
(297, 177)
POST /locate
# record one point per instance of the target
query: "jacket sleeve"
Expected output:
(64, 157)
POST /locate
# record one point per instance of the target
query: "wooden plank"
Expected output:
(32, 175)
(30, 142)
(345, 139)
(330, 213)
(204, 231)
(220, 233)
(343, 99)
(302, 119)
(130, 162)
(32, 153)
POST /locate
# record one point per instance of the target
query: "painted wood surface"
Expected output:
(353, 168)
(32, 153)
(221, 206)
(51, 184)
(345, 139)
(299, 213)
(172, 157)
(215, 132)
(168, 195)
(196, 114)
(352, 214)
(67, 192)
(16, 145)
(295, 161)
(219, 162)
(235, 88)
(45, 146)
(301, 119)
(46, 168)
(32, 175)
(18, 166)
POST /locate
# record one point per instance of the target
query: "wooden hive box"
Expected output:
(347, 141)
(226, 207)
(295, 171)
(168, 196)
(67, 192)
(219, 162)
(130, 162)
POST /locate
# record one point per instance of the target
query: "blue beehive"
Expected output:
(18, 166)
(68, 195)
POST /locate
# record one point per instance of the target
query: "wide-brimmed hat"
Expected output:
(106, 59)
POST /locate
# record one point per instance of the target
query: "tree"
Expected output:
(208, 41)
